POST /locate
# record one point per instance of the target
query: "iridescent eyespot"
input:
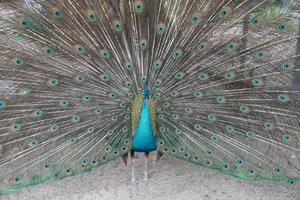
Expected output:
(138, 6)
(177, 54)
(195, 158)
(46, 165)
(105, 77)
(182, 149)
(34, 142)
(188, 110)
(143, 79)
(129, 84)
(98, 110)
(79, 49)
(257, 82)
(53, 82)
(173, 150)
(76, 118)
(18, 179)
(80, 78)
(276, 169)
(126, 141)
(110, 132)
(94, 162)
(226, 165)
(287, 66)
(143, 44)
(197, 127)
(249, 134)
(239, 161)
(72, 141)
(114, 118)
(160, 116)
(195, 19)
(108, 148)
(64, 103)
(230, 75)
(203, 76)
(178, 131)
(157, 64)
(87, 98)
(254, 21)
(230, 129)
(202, 46)
(125, 129)
(114, 95)
(129, 66)
(105, 54)
(212, 117)
(161, 142)
(186, 155)
(68, 170)
(283, 98)
(54, 128)
(16, 127)
(157, 83)
(225, 12)
(174, 93)
(214, 138)
(209, 152)
(2, 104)
(18, 61)
(268, 125)
(198, 93)
(38, 113)
(57, 12)
(281, 26)
(244, 108)
(115, 152)
(231, 46)
(291, 181)
(117, 25)
(161, 28)
(91, 130)
(179, 75)
(221, 99)
(25, 23)
(85, 162)
(91, 15)
(162, 129)
(285, 137)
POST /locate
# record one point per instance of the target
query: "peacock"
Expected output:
(212, 82)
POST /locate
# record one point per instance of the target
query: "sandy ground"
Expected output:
(169, 179)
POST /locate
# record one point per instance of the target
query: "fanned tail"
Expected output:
(223, 78)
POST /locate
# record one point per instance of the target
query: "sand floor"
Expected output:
(169, 179)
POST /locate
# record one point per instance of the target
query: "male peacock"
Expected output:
(212, 82)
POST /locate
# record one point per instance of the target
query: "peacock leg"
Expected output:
(146, 166)
(132, 167)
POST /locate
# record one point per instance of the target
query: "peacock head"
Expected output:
(146, 93)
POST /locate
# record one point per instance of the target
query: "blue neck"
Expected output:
(144, 139)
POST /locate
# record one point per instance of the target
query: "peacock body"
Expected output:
(214, 83)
